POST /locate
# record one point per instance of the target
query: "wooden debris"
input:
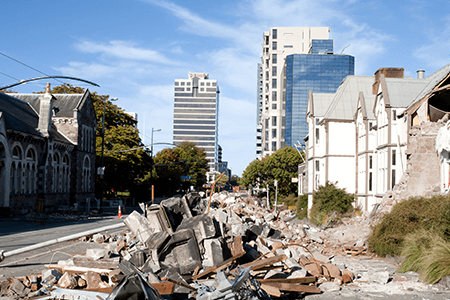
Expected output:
(219, 267)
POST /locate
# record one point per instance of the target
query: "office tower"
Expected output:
(196, 112)
(320, 71)
(278, 43)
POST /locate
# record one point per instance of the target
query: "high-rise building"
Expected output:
(320, 71)
(278, 43)
(196, 112)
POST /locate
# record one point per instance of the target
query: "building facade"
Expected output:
(277, 44)
(320, 71)
(376, 138)
(196, 114)
(47, 150)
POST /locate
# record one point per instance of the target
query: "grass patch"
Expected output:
(430, 214)
(427, 253)
(302, 207)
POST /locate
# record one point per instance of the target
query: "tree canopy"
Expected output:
(126, 160)
(184, 160)
(281, 166)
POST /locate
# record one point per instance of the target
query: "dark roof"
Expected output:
(65, 103)
(19, 115)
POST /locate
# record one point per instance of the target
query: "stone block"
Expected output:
(50, 276)
(298, 273)
(331, 270)
(139, 226)
(158, 219)
(213, 253)
(94, 280)
(17, 286)
(96, 253)
(203, 226)
(67, 281)
(98, 238)
(328, 287)
(138, 258)
(176, 209)
(182, 252)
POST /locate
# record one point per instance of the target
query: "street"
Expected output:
(19, 234)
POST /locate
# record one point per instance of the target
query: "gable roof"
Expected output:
(23, 116)
(433, 81)
(345, 99)
(401, 91)
(320, 103)
(66, 103)
(19, 115)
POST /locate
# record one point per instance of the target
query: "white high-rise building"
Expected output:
(271, 111)
(196, 114)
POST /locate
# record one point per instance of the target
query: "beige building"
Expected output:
(277, 44)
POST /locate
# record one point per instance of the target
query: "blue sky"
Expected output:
(135, 49)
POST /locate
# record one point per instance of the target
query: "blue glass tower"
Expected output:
(320, 71)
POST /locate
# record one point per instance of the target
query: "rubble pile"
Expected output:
(222, 246)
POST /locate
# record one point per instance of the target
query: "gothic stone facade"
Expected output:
(47, 150)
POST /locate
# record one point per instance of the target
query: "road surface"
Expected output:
(19, 234)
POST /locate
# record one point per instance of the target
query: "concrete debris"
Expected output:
(239, 250)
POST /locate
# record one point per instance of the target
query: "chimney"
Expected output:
(420, 74)
(388, 73)
(45, 112)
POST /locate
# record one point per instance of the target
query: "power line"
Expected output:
(26, 66)
(9, 76)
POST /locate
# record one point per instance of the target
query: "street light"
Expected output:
(151, 162)
(153, 130)
(101, 170)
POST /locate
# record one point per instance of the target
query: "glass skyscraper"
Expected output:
(320, 71)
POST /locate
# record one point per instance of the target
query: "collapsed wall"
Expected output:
(422, 175)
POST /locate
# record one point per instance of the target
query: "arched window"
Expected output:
(86, 174)
(16, 170)
(30, 173)
(65, 173)
(17, 152)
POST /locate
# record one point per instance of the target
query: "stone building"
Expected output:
(47, 150)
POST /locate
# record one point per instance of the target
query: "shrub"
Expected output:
(327, 199)
(406, 217)
(302, 207)
(290, 200)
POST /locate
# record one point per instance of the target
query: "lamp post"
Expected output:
(151, 167)
(101, 170)
(153, 130)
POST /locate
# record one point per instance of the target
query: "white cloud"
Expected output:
(123, 50)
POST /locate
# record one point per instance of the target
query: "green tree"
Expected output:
(223, 180)
(126, 160)
(281, 166)
(252, 174)
(171, 163)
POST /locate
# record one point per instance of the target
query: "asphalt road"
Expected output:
(18, 234)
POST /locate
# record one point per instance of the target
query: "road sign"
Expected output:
(275, 182)
(184, 177)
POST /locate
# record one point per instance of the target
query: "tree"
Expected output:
(252, 174)
(223, 180)
(185, 160)
(126, 160)
(281, 166)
